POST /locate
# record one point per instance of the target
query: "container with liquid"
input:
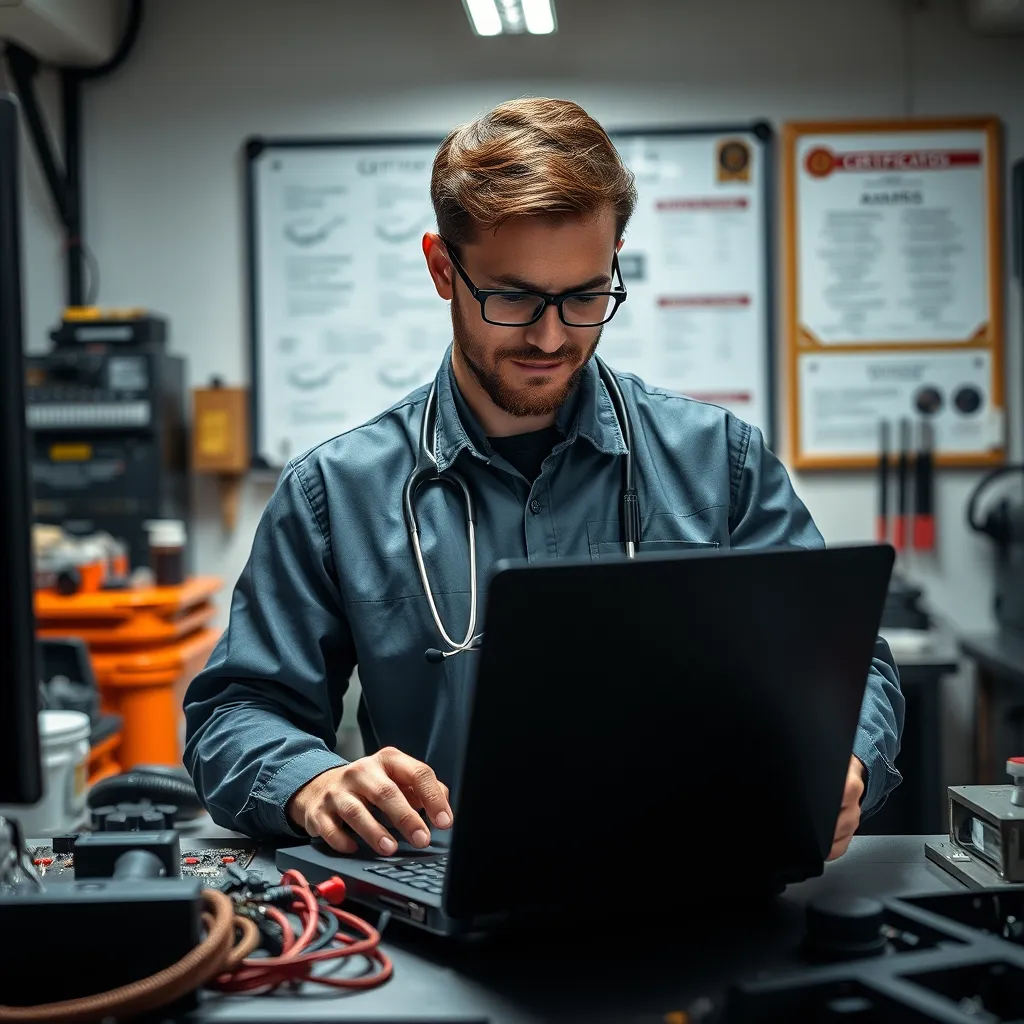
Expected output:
(167, 540)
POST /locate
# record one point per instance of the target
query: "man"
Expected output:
(531, 202)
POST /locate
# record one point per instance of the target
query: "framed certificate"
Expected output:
(894, 297)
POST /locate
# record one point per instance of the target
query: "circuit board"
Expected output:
(209, 863)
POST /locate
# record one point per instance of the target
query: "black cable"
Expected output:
(65, 185)
(130, 34)
(983, 484)
(24, 67)
(93, 292)
(329, 928)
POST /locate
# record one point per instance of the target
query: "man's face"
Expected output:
(531, 370)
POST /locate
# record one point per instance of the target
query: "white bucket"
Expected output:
(64, 750)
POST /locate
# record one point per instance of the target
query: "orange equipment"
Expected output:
(145, 646)
(103, 758)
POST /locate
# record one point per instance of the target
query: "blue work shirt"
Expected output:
(332, 583)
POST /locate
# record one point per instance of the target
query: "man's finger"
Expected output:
(845, 828)
(328, 830)
(839, 847)
(357, 816)
(381, 790)
(414, 798)
(433, 797)
(847, 823)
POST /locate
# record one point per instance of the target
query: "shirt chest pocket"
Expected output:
(659, 534)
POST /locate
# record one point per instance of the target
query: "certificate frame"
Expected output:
(800, 342)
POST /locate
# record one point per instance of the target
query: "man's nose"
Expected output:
(548, 333)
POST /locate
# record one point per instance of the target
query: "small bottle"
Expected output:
(167, 541)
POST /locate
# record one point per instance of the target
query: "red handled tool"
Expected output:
(899, 538)
(924, 492)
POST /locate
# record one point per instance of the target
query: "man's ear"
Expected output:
(618, 244)
(441, 271)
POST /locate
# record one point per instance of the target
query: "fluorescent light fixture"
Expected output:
(513, 17)
(539, 15)
(484, 17)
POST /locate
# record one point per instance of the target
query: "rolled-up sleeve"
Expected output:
(766, 512)
(262, 717)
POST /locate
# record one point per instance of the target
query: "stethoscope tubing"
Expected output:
(425, 471)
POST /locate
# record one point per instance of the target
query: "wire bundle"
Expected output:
(237, 926)
(320, 938)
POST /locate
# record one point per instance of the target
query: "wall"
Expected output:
(42, 254)
(163, 170)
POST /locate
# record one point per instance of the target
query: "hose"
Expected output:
(133, 786)
(217, 953)
(223, 961)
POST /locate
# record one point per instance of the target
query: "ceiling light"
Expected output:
(511, 17)
(484, 17)
(539, 15)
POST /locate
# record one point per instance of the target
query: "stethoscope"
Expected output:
(425, 471)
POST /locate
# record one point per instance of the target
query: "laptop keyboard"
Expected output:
(427, 875)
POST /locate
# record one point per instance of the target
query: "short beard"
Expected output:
(519, 402)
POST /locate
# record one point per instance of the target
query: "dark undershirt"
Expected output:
(526, 452)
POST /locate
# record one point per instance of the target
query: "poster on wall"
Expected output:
(345, 317)
(345, 320)
(697, 268)
(894, 282)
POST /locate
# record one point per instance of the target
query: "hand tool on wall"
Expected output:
(882, 517)
(924, 491)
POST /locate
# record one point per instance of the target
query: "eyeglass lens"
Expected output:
(523, 307)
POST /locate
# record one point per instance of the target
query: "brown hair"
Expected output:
(527, 157)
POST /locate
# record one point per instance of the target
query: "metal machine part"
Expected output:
(986, 833)
(953, 957)
(106, 411)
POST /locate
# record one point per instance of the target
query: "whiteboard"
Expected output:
(345, 321)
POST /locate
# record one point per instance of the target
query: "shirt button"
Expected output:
(535, 506)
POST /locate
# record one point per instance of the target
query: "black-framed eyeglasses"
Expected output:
(506, 307)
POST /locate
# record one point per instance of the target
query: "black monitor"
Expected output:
(20, 774)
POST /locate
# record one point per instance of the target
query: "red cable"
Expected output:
(295, 964)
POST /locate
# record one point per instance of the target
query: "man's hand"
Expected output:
(849, 813)
(389, 780)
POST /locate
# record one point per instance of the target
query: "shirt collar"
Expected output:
(588, 413)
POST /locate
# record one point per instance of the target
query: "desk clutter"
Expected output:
(144, 640)
(955, 957)
(107, 882)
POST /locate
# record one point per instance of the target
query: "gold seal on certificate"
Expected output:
(733, 160)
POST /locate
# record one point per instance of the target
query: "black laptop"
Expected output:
(680, 723)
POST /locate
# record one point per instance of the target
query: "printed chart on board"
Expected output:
(346, 321)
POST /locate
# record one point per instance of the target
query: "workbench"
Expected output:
(621, 973)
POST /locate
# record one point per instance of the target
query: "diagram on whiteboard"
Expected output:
(348, 289)
(695, 266)
(347, 320)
